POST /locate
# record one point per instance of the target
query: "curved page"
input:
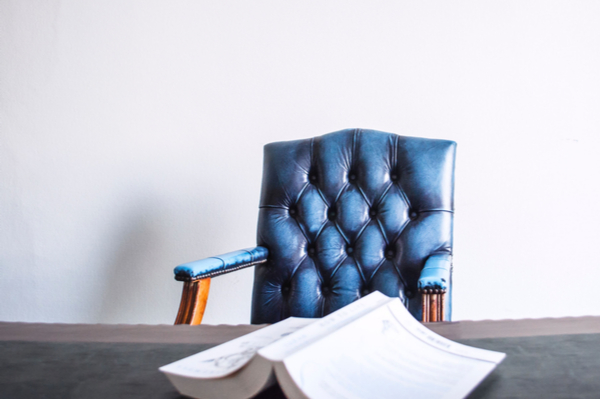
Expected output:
(231, 356)
(385, 354)
(284, 347)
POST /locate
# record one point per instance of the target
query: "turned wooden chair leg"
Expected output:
(425, 304)
(433, 307)
(193, 301)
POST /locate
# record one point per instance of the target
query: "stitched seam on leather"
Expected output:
(402, 228)
(318, 233)
(299, 197)
(298, 223)
(339, 229)
(357, 264)
(383, 195)
(323, 197)
(335, 269)
(360, 233)
(402, 192)
(396, 267)
(402, 279)
(376, 269)
(387, 242)
(216, 257)
(318, 271)
(251, 255)
(217, 273)
(359, 268)
(321, 230)
(341, 192)
(300, 264)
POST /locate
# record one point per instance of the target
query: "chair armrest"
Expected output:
(436, 273)
(217, 265)
(433, 284)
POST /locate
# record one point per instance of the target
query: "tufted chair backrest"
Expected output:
(349, 213)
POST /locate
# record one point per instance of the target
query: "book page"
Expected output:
(278, 350)
(386, 354)
(231, 356)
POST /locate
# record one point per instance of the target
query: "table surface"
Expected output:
(555, 358)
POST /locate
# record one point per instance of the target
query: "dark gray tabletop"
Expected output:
(103, 361)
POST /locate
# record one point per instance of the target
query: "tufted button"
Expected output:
(325, 290)
(413, 215)
(365, 292)
(331, 214)
(352, 176)
(373, 212)
(311, 251)
(313, 178)
(389, 253)
(394, 177)
(350, 250)
(285, 288)
(292, 211)
(409, 294)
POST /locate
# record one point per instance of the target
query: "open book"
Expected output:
(372, 348)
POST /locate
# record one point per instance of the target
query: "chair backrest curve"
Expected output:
(348, 213)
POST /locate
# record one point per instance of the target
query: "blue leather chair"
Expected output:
(342, 215)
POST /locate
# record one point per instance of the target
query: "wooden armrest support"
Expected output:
(195, 296)
(193, 301)
(433, 304)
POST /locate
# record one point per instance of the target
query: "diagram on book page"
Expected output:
(231, 356)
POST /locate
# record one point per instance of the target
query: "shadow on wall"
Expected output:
(139, 270)
(149, 240)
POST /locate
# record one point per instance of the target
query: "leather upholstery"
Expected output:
(214, 266)
(436, 273)
(348, 213)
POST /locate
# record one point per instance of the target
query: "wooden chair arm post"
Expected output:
(433, 305)
(193, 301)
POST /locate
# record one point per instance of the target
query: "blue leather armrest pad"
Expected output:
(436, 273)
(221, 264)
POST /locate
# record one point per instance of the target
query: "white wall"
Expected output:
(132, 134)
